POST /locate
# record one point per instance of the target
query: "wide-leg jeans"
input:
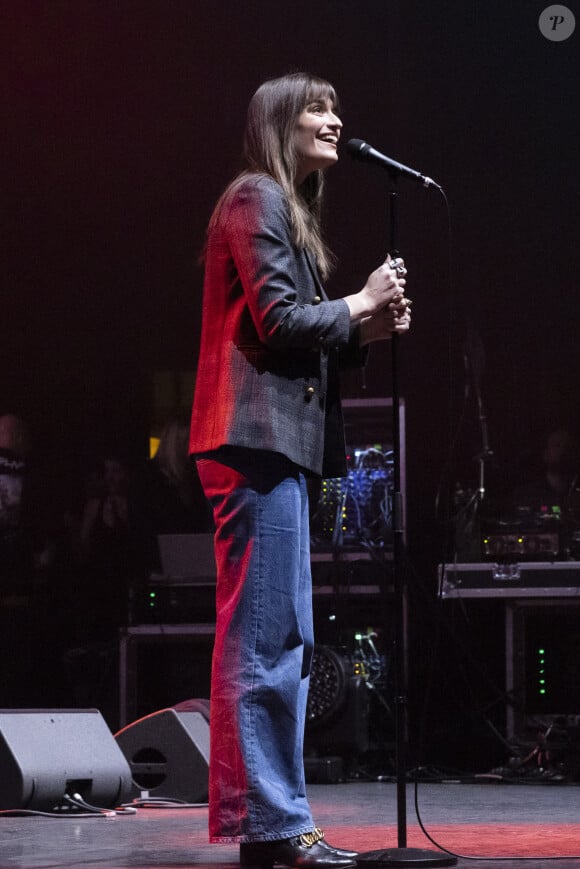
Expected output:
(263, 646)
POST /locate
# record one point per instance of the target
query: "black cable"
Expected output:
(453, 433)
(78, 800)
(448, 519)
(20, 813)
(63, 811)
(502, 858)
(163, 803)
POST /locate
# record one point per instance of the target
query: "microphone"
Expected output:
(359, 150)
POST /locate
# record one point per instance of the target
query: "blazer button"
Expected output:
(316, 300)
(308, 392)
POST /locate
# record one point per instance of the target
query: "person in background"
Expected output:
(29, 672)
(167, 497)
(267, 415)
(107, 549)
(14, 445)
(556, 484)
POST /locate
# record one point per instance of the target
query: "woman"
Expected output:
(266, 414)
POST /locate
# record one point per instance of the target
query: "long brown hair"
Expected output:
(269, 147)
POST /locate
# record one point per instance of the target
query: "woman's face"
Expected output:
(316, 138)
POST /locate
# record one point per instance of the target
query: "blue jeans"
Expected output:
(263, 646)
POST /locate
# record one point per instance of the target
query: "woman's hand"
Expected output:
(383, 287)
(395, 318)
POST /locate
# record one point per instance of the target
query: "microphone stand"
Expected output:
(402, 855)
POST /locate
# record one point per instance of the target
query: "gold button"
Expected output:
(316, 300)
(309, 390)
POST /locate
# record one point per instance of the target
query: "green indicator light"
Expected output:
(541, 651)
(542, 681)
(542, 690)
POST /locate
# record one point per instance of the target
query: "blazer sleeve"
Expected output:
(352, 355)
(258, 231)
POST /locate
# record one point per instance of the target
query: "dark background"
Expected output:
(123, 122)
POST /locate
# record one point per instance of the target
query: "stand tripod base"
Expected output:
(404, 857)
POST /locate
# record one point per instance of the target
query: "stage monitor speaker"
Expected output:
(168, 753)
(46, 754)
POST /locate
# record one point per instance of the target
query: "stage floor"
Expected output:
(476, 820)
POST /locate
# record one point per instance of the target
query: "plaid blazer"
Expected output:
(271, 339)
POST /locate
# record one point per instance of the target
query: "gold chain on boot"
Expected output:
(310, 839)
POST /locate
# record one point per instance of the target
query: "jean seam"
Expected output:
(258, 819)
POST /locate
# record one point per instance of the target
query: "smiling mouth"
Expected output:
(329, 140)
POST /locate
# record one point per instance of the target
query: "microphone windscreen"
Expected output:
(355, 147)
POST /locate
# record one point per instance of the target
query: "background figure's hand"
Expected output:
(383, 286)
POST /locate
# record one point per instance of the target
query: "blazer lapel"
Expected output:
(315, 273)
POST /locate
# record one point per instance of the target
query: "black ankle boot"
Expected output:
(308, 851)
(352, 855)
